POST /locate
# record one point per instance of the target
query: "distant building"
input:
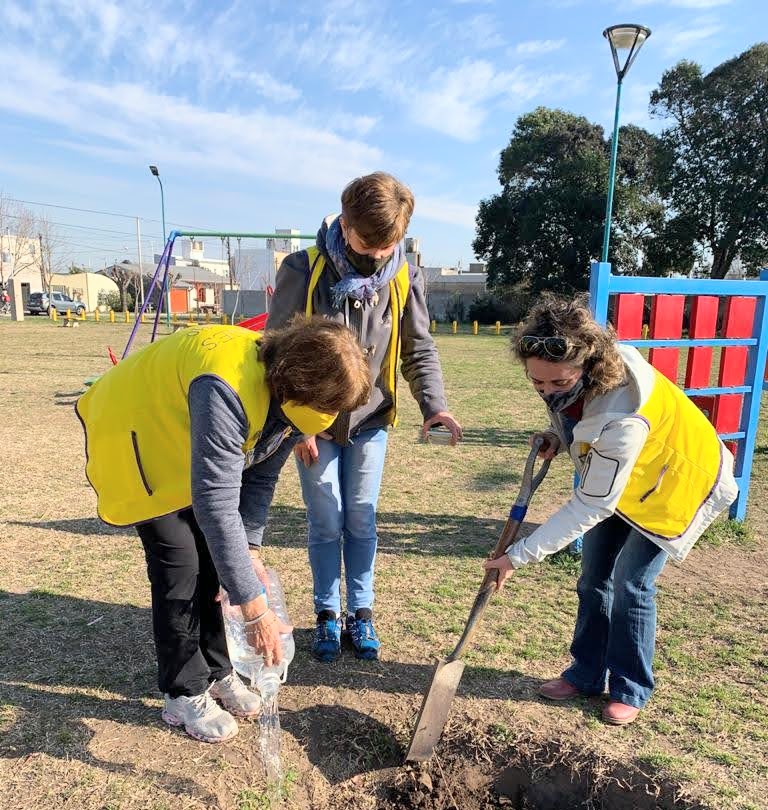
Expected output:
(90, 288)
(447, 288)
(20, 259)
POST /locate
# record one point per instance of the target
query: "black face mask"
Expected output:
(365, 265)
(561, 400)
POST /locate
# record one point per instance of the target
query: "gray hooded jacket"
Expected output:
(372, 323)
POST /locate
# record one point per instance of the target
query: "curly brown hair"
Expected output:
(589, 346)
(317, 363)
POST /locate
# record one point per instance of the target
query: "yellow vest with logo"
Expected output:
(678, 467)
(136, 418)
(398, 293)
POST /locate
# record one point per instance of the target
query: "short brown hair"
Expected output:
(378, 208)
(318, 363)
(590, 346)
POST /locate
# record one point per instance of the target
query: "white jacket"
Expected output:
(611, 427)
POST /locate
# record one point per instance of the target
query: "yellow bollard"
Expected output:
(143, 318)
(111, 315)
(69, 314)
(126, 316)
(474, 327)
(96, 315)
(82, 314)
(224, 318)
(498, 327)
(645, 331)
(207, 316)
(454, 327)
(54, 314)
(433, 327)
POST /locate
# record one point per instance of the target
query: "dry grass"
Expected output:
(78, 707)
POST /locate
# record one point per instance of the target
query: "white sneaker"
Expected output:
(201, 717)
(236, 697)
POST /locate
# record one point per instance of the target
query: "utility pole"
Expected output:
(42, 264)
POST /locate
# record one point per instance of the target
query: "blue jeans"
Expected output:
(616, 622)
(341, 490)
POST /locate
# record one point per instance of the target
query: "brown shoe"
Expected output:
(558, 689)
(619, 714)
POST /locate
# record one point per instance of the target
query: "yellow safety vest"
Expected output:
(678, 467)
(137, 426)
(399, 287)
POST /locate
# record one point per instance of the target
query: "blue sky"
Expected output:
(258, 113)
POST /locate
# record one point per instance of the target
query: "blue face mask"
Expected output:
(560, 400)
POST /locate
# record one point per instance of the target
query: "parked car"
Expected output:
(41, 304)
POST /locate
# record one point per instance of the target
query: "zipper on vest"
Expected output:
(138, 462)
(656, 485)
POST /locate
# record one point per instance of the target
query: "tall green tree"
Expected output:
(716, 147)
(545, 226)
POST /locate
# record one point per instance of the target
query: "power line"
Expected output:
(111, 214)
(129, 234)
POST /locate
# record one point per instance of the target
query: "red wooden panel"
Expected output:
(727, 416)
(629, 316)
(666, 322)
(738, 323)
(703, 325)
(706, 405)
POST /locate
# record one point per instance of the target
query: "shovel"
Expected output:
(447, 674)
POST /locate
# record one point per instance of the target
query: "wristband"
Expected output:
(250, 622)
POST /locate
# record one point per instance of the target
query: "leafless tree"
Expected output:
(50, 251)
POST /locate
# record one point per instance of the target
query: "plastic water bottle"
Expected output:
(246, 661)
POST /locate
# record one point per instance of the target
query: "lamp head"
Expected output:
(625, 41)
(154, 171)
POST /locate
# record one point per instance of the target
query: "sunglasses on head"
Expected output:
(555, 347)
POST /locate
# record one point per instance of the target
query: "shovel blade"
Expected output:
(434, 710)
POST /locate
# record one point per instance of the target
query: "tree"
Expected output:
(49, 255)
(546, 225)
(717, 148)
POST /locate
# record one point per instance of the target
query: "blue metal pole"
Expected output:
(611, 176)
(167, 285)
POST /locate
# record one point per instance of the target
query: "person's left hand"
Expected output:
(443, 418)
(504, 568)
(259, 568)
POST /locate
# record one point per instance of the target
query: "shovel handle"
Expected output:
(528, 486)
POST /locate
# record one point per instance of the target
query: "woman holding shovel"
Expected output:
(653, 475)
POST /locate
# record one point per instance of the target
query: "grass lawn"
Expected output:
(79, 710)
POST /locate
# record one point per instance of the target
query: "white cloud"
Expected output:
(457, 101)
(535, 47)
(480, 31)
(130, 123)
(681, 40)
(694, 4)
(443, 209)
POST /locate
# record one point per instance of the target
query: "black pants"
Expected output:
(187, 623)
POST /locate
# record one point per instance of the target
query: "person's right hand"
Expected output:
(550, 445)
(306, 451)
(264, 636)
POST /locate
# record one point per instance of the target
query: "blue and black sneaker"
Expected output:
(326, 640)
(362, 634)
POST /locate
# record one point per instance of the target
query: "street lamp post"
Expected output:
(625, 41)
(156, 173)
